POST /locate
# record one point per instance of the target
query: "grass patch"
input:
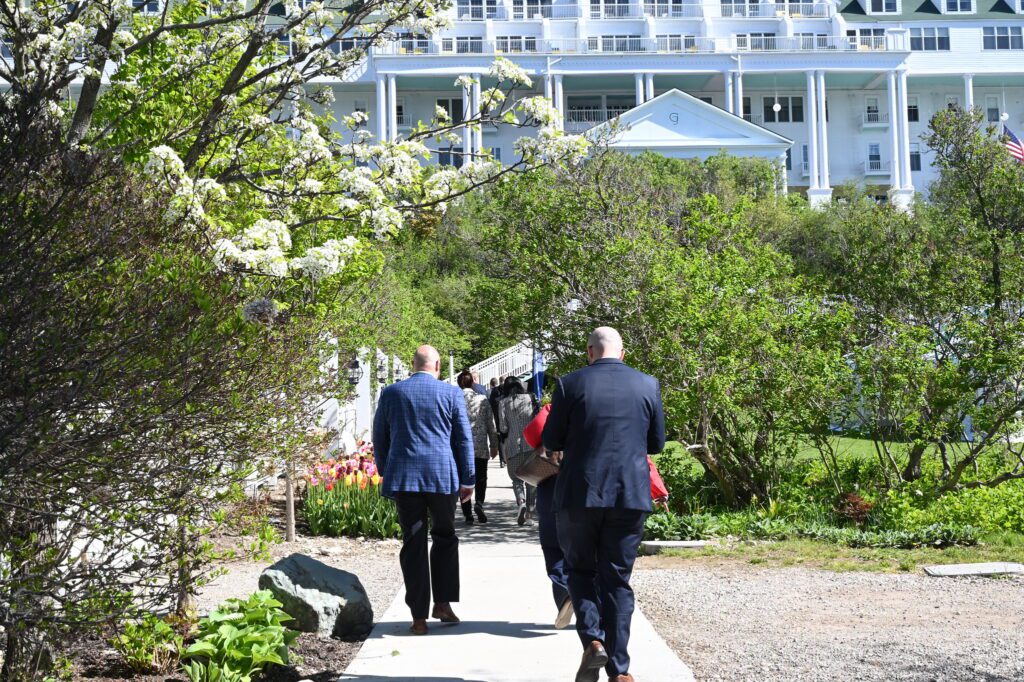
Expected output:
(831, 557)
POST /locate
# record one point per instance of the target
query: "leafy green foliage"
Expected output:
(149, 645)
(352, 510)
(239, 639)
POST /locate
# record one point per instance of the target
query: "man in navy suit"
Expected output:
(605, 419)
(424, 450)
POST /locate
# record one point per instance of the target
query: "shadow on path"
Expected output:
(472, 627)
(501, 526)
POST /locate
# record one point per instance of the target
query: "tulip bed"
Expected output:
(343, 499)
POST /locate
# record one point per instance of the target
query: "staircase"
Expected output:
(514, 361)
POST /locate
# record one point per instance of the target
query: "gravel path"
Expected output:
(733, 621)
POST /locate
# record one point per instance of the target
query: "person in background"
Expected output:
(516, 409)
(606, 419)
(485, 444)
(554, 558)
(493, 384)
(424, 450)
(477, 386)
(494, 398)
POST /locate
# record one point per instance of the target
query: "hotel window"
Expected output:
(359, 105)
(737, 8)
(516, 43)
(284, 41)
(755, 41)
(867, 38)
(146, 6)
(913, 113)
(453, 106)
(915, 156)
(874, 156)
(805, 160)
(883, 7)
(496, 154)
(746, 109)
(952, 102)
(469, 45)
(959, 6)
(789, 159)
(615, 43)
(609, 8)
(929, 39)
(992, 108)
(5, 50)
(529, 9)
(706, 100)
(872, 114)
(791, 111)
(450, 157)
(400, 111)
(667, 8)
(476, 10)
(813, 41)
(1002, 38)
(414, 44)
(675, 43)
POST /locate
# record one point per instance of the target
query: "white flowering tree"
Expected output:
(181, 217)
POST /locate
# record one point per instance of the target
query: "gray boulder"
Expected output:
(321, 598)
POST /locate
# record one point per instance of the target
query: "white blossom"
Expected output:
(506, 70)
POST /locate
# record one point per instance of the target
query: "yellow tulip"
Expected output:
(348, 479)
(376, 479)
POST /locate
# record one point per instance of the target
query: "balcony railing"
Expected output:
(630, 44)
(578, 119)
(805, 168)
(546, 12)
(876, 167)
(615, 11)
(480, 13)
(764, 10)
(874, 118)
(675, 10)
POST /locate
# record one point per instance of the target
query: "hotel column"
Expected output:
(478, 143)
(729, 94)
(650, 86)
(823, 181)
(559, 101)
(548, 92)
(467, 135)
(894, 133)
(812, 132)
(908, 183)
(392, 108)
(382, 109)
(738, 80)
(968, 91)
(638, 79)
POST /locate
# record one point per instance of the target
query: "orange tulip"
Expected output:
(363, 480)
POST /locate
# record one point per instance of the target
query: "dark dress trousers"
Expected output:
(606, 418)
(424, 450)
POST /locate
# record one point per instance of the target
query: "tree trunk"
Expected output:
(912, 471)
(27, 656)
(289, 504)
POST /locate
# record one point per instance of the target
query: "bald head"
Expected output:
(427, 359)
(604, 342)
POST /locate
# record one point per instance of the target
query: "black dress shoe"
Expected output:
(480, 516)
(467, 513)
(594, 658)
(521, 519)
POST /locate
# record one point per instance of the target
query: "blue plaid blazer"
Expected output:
(421, 437)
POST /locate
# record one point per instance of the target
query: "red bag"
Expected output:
(659, 491)
(533, 430)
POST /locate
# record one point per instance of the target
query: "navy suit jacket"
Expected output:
(421, 437)
(606, 418)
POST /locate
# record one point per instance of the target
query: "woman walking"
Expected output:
(516, 412)
(485, 443)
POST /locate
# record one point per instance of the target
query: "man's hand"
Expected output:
(465, 493)
(555, 457)
(494, 452)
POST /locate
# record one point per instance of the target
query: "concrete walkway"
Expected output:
(507, 611)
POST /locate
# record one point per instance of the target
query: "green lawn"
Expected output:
(846, 448)
(814, 554)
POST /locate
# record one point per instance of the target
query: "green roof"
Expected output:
(925, 10)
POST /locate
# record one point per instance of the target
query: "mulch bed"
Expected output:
(312, 658)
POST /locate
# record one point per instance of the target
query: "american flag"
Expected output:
(1013, 145)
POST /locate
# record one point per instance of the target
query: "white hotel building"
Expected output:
(850, 83)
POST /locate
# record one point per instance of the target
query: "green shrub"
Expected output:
(149, 645)
(239, 639)
(353, 510)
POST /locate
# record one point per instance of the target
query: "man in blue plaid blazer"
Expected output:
(424, 449)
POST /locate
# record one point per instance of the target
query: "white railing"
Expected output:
(578, 119)
(638, 44)
(480, 13)
(615, 11)
(674, 10)
(876, 167)
(547, 12)
(875, 118)
(765, 10)
(514, 361)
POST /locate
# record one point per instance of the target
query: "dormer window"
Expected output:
(884, 6)
(959, 6)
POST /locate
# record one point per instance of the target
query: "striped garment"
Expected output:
(516, 414)
(481, 420)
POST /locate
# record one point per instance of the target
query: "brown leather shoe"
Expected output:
(624, 677)
(594, 658)
(443, 612)
(419, 626)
